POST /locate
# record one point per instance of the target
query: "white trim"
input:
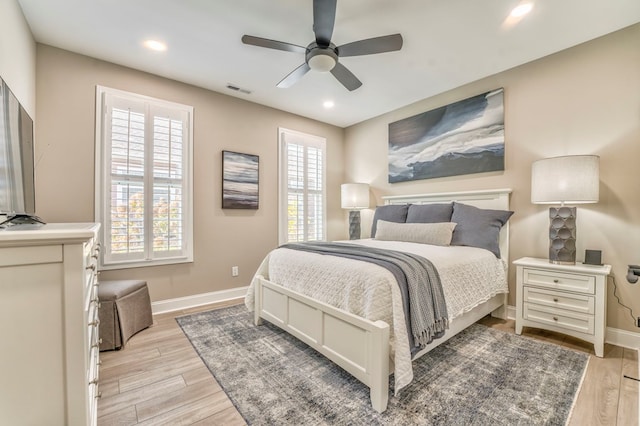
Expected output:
(623, 338)
(170, 305)
(511, 312)
(448, 196)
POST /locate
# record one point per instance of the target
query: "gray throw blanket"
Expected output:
(422, 296)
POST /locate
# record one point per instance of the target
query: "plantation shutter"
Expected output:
(145, 184)
(302, 187)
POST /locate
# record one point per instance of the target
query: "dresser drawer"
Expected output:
(560, 280)
(559, 317)
(559, 300)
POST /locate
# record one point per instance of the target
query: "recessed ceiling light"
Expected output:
(155, 45)
(521, 10)
(328, 104)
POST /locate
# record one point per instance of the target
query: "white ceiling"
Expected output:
(447, 43)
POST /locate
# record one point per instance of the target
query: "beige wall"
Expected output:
(18, 55)
(585, 100)
(66, 85)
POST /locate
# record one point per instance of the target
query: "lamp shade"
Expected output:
(355, 196)
(571, 179)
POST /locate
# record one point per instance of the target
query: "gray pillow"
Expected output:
(391, 213)
(429, 213)
(436, 234)
(478, 227)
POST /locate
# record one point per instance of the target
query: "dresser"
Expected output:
(49, 357)
(569, 299)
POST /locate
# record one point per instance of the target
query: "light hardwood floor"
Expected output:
(158, 378)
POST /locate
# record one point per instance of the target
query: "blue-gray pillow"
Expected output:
(391, 213)
(478, 227)
(429, 213)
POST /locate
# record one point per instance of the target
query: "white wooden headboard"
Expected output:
(497, 199)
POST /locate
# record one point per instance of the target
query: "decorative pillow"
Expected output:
(437, 234)
(391, 213)
(429, 213)
(478, 227)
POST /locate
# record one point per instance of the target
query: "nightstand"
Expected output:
(569, 299)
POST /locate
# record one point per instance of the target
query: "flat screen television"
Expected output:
(17, 171)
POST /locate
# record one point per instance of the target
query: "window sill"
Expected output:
(145, 263)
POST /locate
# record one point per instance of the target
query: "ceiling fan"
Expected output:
(322, 55)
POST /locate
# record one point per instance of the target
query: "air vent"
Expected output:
(238, 89)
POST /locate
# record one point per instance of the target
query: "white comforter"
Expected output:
(470, 276)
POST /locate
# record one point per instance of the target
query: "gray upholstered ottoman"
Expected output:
(125, 309)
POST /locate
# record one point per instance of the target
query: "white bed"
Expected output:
(362, 329)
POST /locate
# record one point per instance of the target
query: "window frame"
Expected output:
(104, 95)
(307, 140)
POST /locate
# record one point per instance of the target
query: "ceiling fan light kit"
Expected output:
(321, 59)
(322, 55)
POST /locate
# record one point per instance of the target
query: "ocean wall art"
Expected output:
(239, 180)
(461, 138)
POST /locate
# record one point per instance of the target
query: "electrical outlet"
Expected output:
(234, 271)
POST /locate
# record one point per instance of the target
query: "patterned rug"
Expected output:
(482, 376)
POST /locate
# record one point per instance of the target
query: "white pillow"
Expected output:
(437, 234)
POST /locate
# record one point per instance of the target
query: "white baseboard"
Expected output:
(170, 305)
(624, 338)
(511, 312)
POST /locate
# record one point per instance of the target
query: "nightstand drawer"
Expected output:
(560, 300)
(559, 318)
(560, 280)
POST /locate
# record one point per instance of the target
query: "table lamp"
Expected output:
(571, 179)
(355, 197)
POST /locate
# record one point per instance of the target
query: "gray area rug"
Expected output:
(482, 376)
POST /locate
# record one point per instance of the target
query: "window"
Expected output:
(302, 201)
(143, 179)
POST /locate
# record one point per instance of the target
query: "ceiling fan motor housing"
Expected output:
(322, 59)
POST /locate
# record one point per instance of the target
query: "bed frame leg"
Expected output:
(257, 301)
(379, 399)
(379, 386)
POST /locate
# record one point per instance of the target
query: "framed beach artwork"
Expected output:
(461, 138)
(239, 180)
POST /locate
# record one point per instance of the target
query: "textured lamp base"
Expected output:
(562, 235)
(354, 225)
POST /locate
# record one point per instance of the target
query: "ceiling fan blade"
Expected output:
(324, 17)
(370, 46)
(272, 44)
(346, 77)
(294, 76)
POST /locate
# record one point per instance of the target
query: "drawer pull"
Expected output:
(97, 344)
(94, 323)
(99, 395)
(555, 299)
(556, 281)
(555, 318)
(94, 382)
(92, 267)
(99, 362)
(95, 256)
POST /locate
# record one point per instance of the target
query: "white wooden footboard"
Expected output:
(359, 346)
